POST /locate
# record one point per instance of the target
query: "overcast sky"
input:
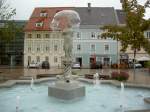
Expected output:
(25, 7)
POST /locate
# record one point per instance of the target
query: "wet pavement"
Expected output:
(141, 75)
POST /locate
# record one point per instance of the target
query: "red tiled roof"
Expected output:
(35, 17)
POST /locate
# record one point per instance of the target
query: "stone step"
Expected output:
(25, 78)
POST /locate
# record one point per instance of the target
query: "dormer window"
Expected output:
(39, 24)
(43, 14)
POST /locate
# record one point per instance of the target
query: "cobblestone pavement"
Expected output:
(141, 75)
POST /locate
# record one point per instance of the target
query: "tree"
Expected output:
(9, 30)
(131, 34)
(8, 35)
(6, 12)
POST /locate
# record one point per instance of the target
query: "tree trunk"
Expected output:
(134, 63)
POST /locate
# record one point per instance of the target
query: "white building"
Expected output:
(43, 46)
(40, 42)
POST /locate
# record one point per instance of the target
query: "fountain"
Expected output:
(17, 103)
(32, 84)
(122, 97)
(96, 80)
(66, 89)
(105, 99)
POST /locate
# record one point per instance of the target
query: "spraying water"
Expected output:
(32, 84)
(122, 97)
(96, 80)
(17, 103)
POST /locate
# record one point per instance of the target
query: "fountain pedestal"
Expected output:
(66, 90)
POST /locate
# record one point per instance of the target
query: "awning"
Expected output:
(143, 59)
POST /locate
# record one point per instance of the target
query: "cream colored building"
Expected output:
(140, 53)
(43, 45)
(129, 51)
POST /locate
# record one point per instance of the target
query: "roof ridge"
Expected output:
(71, 7)
(53, 7)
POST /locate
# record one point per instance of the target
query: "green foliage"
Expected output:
(147, 64)
(9, 31)
(131, 34)
(7, 34)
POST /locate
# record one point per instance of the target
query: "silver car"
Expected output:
(76, 65)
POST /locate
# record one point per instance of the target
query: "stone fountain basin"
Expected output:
(104, 97)
(66, 91)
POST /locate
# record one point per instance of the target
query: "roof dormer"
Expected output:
(43, 13)
(39, 24)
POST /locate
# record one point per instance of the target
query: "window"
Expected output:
(46, 35)
(93, 47)
(38, 49)
(78, 35)
(78, 47)
(55, 59)
(55, 47)
(93, 35)
(38, 35)
(29, 49)
(43, 14)
(29, 60)
(39, 24)
(47, 48)
(38, 59)
(148, 35)
(29, 35)
(107, 47)
(46, 58)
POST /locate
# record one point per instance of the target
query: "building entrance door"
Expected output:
(79, 59)
(106, 61)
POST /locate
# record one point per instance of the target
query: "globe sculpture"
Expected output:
(66, 89)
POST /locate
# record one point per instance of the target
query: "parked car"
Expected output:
(76, 65)
(138, 65)
(45, 65)
(34, 65)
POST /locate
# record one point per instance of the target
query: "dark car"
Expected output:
(45, 65)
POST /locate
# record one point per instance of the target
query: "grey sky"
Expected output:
(25, 7)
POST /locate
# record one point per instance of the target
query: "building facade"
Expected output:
(89, 47)
(43, 46)
(41, 43)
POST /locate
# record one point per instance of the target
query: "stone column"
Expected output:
(67, 60)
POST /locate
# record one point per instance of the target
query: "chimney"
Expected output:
(89, 6)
